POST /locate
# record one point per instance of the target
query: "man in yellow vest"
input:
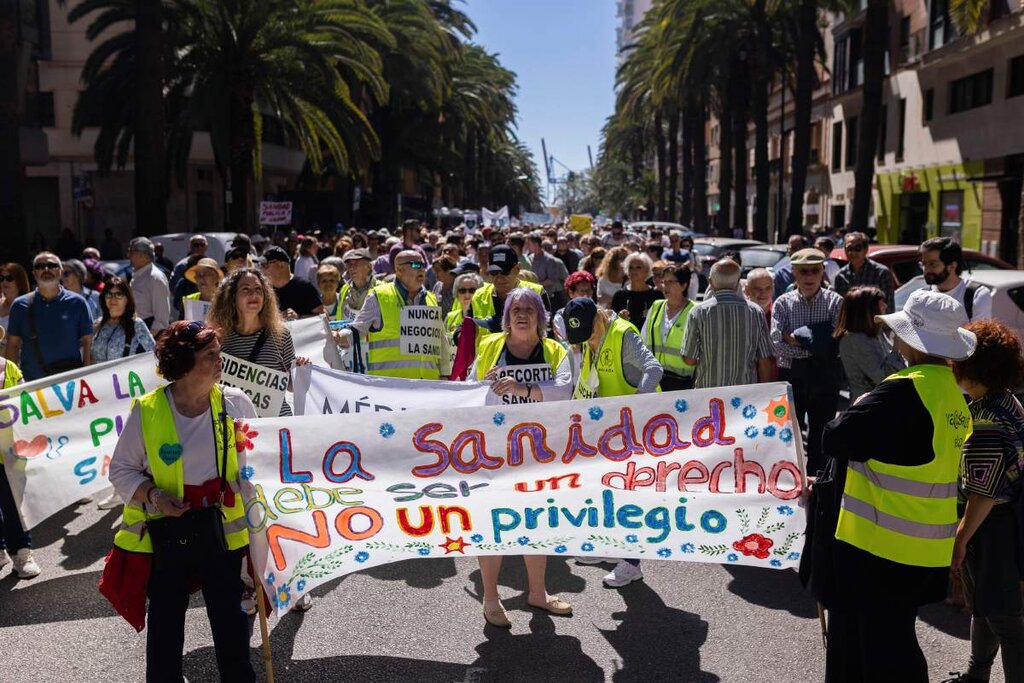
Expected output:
(402, 324)
(885, 518)
(489, 301)
(615, 362)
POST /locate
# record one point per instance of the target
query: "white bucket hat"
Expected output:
(931, 322)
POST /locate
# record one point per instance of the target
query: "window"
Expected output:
(929, 104)
(837, 146)
(970, 92)
(883, 131)
(851, 142)
(1015, 77)
(940, 28)
(848, 63)
(901, 128)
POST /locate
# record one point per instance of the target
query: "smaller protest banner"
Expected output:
(312, 339)
(320, 391)
(275, 213)
(536, 218)
(581, 223)
(420, 331)
(264, 386)
(196, 309)
(522, 374)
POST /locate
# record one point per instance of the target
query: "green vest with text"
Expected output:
(668, 350)
(611, 381)
(490, 348)
(160, 435)
(384, 355)
(907, 514)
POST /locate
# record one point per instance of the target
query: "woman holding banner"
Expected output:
(205, 275)
(177, 466)
(511, 359)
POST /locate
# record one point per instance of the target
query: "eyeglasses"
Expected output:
(415, 265)
(808, 271)
(195, 327)
(6, 278)
(115, 294)
(45, 266)
(467, 290)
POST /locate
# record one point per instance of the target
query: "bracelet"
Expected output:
(529, 389)
(153, 495)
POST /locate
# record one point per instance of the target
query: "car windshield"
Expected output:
(760, 258)
(706, 249)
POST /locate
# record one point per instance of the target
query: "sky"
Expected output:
(563, 52)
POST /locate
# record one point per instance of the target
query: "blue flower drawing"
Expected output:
(560, 548)
(498, 419)
(749, 412)
(769, 431)
(664, 552)
(476, 538)
(596, 413)
(301, 585)
(282, 596)
(631, 538)
(687, 548)
(270, 578)
(786, 434)
(793, 556)
(362, 556)
(785, 510)
(424, 551)
(750, 432)
(587, 547)
(736, 401)
(732, 557)
(387, 430)
(775, 563)
(523, 540)
(247, 472)
(681, 406)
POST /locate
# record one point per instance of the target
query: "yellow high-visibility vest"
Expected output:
(611, 380)
(384, 355)
(669, 350)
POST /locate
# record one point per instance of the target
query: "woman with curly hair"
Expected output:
(611, 275)
(987, 551)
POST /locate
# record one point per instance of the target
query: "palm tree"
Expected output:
(876, 33)
(15, 246)
(808, 45)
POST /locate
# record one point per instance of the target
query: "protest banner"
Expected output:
(536, 218)
(264, 386)
(57, 434)
(275, 213)
(320, 391)
(706, 475)
(420, 332)
(311, 338)
(194, 309)
(580, 223)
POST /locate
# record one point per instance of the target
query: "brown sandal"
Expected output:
(497, 616)
(554, 605)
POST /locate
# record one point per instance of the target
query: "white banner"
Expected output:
(420, 331)
(57, 434)
(195, 309)
(704, 475)
(319, 391)
(275, 213)
(264, 387)
(312, 339)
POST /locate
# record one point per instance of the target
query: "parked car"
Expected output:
(176, 244)
(1007, 294)
(904, 260)
(121, 268)
(713, 248)
(665, 227)
(762, 256)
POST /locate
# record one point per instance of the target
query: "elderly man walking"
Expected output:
(149, 286)
(727, 336)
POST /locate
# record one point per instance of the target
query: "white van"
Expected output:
(176, 244)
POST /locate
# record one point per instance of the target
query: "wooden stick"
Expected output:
(264, 631)
(824, 629)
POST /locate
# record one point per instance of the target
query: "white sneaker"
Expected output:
(4, 557)
(623, 575)
(110, 502)
(304, 604)
(594, 560)
(84, 500)
(25, 565)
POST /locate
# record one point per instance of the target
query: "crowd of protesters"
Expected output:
(608, 313)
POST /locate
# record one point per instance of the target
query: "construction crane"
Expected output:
(565, 178)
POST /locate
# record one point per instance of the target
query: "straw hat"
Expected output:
(190, 274)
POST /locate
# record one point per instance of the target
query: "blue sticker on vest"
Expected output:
(170, 453)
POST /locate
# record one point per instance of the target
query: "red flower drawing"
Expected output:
(754, 544)
(244, 436)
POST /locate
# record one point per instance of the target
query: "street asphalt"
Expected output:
(421, 620)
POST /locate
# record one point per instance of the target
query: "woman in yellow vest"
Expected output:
(205, 275)
(524, 367)
(465, 286)
(614, 362)
(665, 327)
(177, 467)
(885, 513)
(15, 539)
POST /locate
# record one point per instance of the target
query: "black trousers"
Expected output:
(816, 399)
(874, 644)
(168, 599)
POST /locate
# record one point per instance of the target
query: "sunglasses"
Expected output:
(114, 294)
(46, 266)
(858, 247)
(415, 265)
(6, 278)
(467, 290)
(808, 271)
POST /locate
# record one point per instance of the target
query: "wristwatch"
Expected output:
(154, 495)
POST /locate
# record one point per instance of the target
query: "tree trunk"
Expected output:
(686, 216)
(740, 169)
(725, 151)
(149, 155)
(241, 162)
(806, 80)
(673, 164)
(14, 246)
(700, 171)
(659, 150)
(876, 34)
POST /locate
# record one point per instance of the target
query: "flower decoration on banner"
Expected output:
(362, 556)
(587, 547)
(270, 578)
(301, 585)
(750, 432)
(631, 538)
(664, 552)
(687, 548)
(786, 435)
(736, 401)
(456, 545)
(681, 406)
(282, 596)
(732, 557)
(247, 472)
(560, 549)
(754, 545)
(476, 538)
(424, 551)
(793, 556)
(596, 413)
(244, 436)
(523, 540)
(498, 419)
(387, 430)
(785, 510)
(778, 411)
(769, 431)
(749, 412)
(776, 563)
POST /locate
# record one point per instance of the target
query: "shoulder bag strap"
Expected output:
(221, 462)
(128, 339)
(972, 289)
(33, 336)
(260, 341)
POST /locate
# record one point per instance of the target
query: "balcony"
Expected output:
(914, 48)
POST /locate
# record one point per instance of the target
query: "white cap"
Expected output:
(931, 322)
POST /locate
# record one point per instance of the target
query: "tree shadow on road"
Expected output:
(773, 589)
(947, 619)
(657, 642)
(425, 573)
(541, 655)
(54, 529)
(83, 549)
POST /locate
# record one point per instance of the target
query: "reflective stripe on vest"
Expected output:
(669, 351)
(384, 353)
(340, 308)
(493, 344)
(159, 432)
(611, 381)
(907, 514)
